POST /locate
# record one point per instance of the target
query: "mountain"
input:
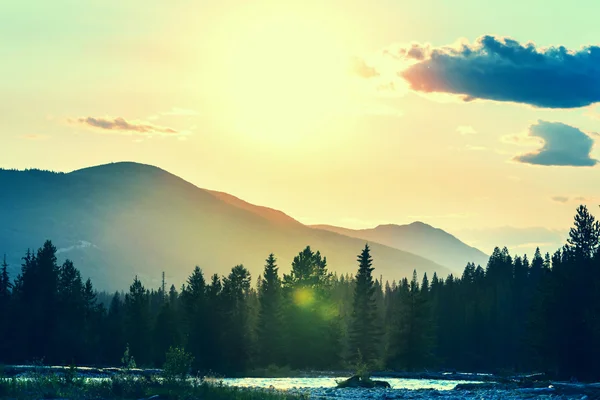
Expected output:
(421, 239)
(517, 240)
(119, 220)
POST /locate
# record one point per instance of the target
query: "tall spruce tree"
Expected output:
(5, 299)
(137, 322)
(236, 287)
(584, 237)
(37, 301)
(269, 329)
(194, 302)
(364, 333)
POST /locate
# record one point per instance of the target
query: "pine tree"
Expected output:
(71, 322)
(36, 294)
(312, 322)
(5, 285)
(214, 323)
(194, 303)
(236, 287)
(5, 299)
(364, 331)
(137, 322)
(584, 237)
(269, 329)
(113, 340)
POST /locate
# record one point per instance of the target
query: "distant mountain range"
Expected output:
(124, 219)
(421, 239)
(518, 240)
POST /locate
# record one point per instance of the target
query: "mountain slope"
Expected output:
(419, 238)
(124, 219)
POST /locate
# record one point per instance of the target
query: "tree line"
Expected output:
(513, 314)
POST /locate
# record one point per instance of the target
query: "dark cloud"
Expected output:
(121, 125)
(560, 199)
(362, 69)
(502, 69)
(563, 145)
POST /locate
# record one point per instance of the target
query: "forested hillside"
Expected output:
(119, 220)
(515, 313)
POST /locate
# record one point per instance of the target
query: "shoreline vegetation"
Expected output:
(55, 382)
(9, 371)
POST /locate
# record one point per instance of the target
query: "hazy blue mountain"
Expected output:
(421, 239)
(118, 220)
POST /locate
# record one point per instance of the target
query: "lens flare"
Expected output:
(304, 297)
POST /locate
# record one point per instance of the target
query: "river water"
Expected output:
(328, 382)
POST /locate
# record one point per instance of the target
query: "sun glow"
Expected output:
(288, 78)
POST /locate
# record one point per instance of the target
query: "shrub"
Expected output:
(178, 364)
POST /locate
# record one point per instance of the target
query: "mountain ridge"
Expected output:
(119, 220)
(444, 248)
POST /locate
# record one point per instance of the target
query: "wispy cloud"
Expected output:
(120, 125)
(360, 68)
(563, 145)
(592, 112)
(577, 199)
(34, 136)
(381, 110)
(444, 216)
(468, 147)
(502, 69)
(175, 111)
(466, 130)
(585, 199)
(476, 148)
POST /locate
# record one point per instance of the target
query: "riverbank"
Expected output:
(130, 388)
(273, 372)
(25, 382)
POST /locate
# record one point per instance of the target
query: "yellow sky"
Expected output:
(265, 107)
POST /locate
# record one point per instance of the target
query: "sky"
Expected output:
(471, 116)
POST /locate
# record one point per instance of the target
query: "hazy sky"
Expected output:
(322, 109)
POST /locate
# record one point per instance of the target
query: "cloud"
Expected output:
(119, 124)
(82, 244)
(34, 136)
(585, 199)
(466, 130)
(468, 147)
(175, 111)
(450, 216)
(476, 148)
(381, 110)
(577, 199)
(361, 68)
(564, 145)
(592, 112)
(502, 69)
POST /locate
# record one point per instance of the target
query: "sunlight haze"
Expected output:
(289, 105)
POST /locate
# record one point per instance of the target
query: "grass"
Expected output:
(73, 387)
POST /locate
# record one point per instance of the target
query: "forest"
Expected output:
(515, 314)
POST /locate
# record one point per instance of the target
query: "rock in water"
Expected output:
(359, 382)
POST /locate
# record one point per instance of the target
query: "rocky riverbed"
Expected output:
(479, 394)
